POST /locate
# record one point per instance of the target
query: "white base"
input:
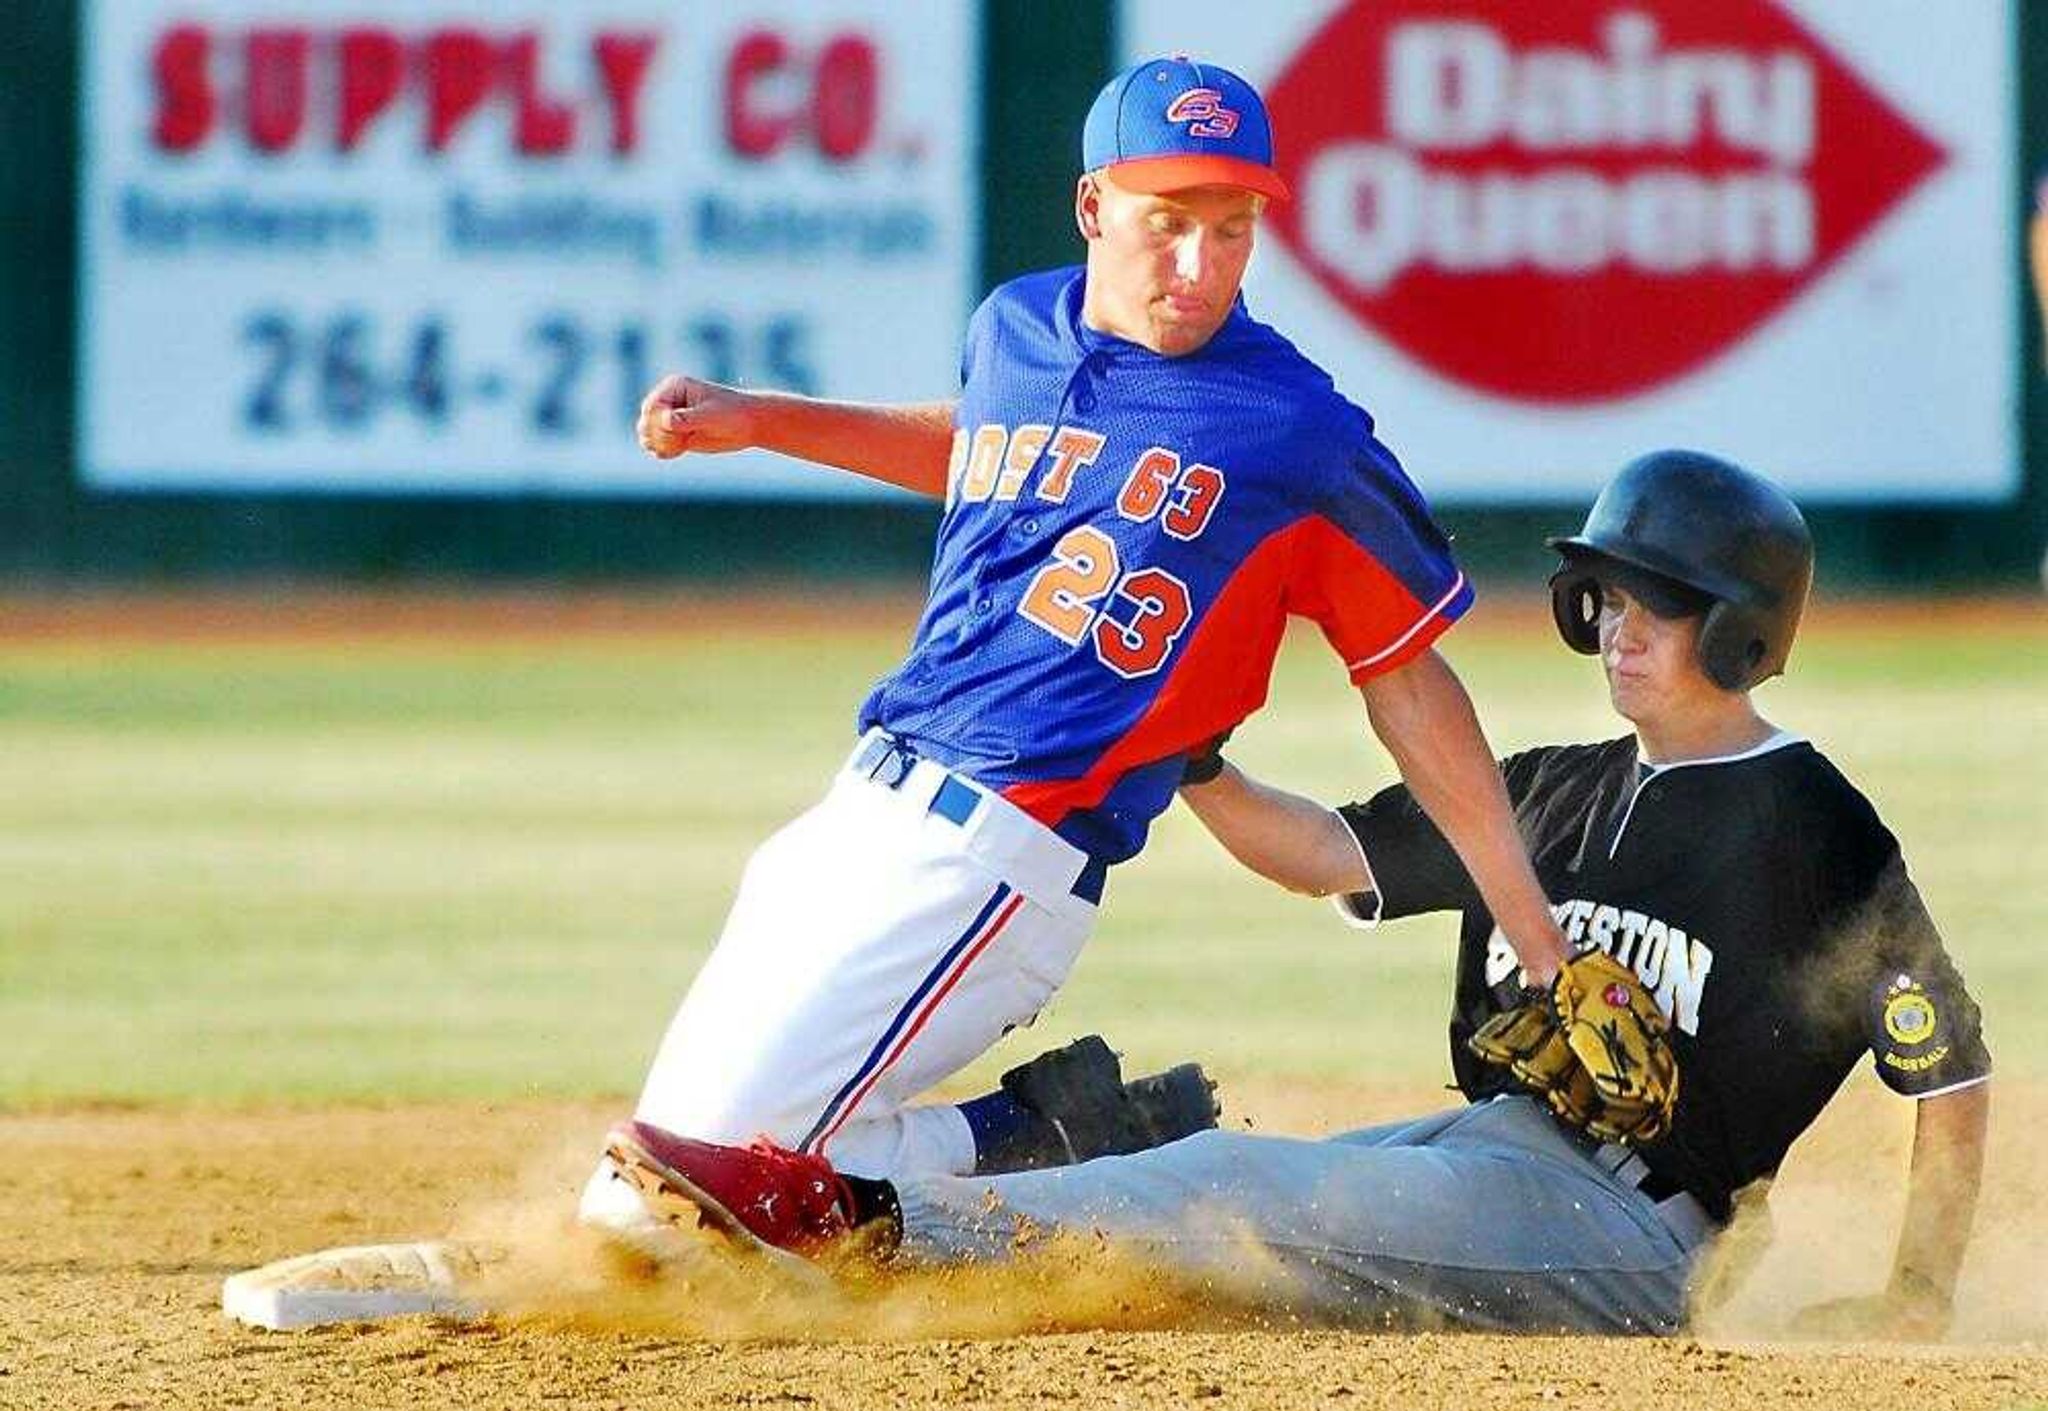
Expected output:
(359, 1283)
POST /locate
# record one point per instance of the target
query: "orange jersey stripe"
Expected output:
(1311, 569)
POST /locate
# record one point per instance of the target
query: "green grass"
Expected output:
(408, 870)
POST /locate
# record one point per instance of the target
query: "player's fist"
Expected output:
(689, 414)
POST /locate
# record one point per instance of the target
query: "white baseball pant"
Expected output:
(879, 943)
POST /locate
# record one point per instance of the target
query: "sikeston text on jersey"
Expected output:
(1671, 964)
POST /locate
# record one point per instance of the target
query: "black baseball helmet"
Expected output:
(1685, 532)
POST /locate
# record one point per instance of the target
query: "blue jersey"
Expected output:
(1125, 535)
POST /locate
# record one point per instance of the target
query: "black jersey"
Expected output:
(1758, 897)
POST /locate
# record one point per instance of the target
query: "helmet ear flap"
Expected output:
(1731, 647)
(1575, 606)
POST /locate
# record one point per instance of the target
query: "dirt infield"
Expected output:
(116, 1229)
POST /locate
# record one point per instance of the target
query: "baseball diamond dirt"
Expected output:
(331, 922)
(119, 1226)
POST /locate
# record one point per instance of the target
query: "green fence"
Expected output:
(1039, 56)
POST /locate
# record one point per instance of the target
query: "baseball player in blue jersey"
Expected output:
(1141, 484)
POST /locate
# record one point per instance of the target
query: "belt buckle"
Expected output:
(893, 763)
(869, 755)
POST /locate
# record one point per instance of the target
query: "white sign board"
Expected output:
(446, 245)
(1537, 239)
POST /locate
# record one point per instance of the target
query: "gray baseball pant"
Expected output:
(1489, 1216)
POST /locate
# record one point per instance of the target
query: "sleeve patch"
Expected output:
(1909, 1018)
(1913, 1040)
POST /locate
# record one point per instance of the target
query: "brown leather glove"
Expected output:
(1596, 1047)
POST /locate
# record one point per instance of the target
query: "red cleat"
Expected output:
(765, 1197)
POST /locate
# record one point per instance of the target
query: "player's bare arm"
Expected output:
(901, 444)
(1941, 1202)
(1425, 719)
(1941, 1198)
(1285, 838)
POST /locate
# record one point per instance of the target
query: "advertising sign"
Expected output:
(1536, 239)
(447, 246)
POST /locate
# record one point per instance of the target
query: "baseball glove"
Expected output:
(1596, 1047)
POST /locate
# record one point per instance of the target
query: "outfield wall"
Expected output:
(105, 485)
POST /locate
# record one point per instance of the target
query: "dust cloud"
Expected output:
(1828, 1231)
(554, 1270)
(1833, 1217)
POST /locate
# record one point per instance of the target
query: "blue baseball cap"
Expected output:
(1168, 124)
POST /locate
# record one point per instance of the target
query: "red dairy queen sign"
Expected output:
(1578, 200)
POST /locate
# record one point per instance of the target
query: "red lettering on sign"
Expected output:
(185, 103)
(751, 129)
(276, 95)
(623, 61)
(773, 96)
(458, 78)
(372, 67)
(542, 126)
(847, 97)
(453, 74)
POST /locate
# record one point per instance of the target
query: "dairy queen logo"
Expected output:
(1579, 200)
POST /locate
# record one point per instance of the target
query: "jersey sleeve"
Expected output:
(1413, 866)
(1923, 1028)
(1371, 568)
(978, 325)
